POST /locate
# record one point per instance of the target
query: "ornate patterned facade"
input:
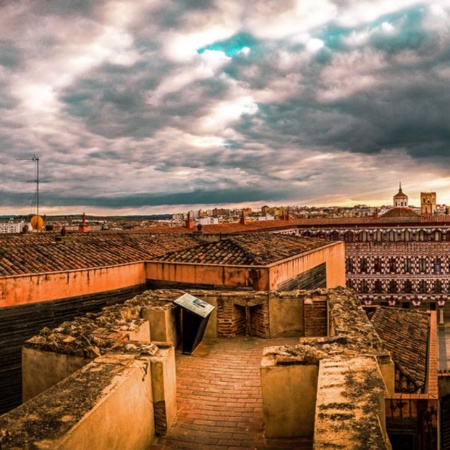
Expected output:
(400, 264)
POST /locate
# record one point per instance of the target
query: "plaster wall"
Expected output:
(387, 371)
(123, 418)
(18, 290)
(162, 324)
(206, 274)
(269, 277)
(289, 399)
(164, 388)
(106, 405)
(286, 316)
(211, 328)
(41, 370)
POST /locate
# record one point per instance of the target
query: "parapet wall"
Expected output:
(339, 381)
(263, 314)
(19, 323)
(96, 380)
(40, 287)
(105, 405)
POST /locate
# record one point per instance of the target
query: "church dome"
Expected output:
(400, 212)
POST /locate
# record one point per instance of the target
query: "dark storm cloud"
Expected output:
(10, 56)
(186, 198)
(205, 102)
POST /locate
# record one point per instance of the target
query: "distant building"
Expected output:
(208, 221)
(12, 226)
(428, 203)
(398, 259)
(400, 199)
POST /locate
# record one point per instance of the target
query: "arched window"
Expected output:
(407, 265)
(393, 287)
(349, 265)
(422, 286)
(364, 289)
(363, 265)
(334, 236)
(378, 287)
(437, 288)
(392, 265)
(408, 287)
(349, 236)
(437, 266)
(377, 264)
(422, 265)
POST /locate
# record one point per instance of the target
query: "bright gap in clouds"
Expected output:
(235, 44)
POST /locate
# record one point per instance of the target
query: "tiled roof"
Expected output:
(400, 212)
(405, 333)
(245, 249)
(39, 253)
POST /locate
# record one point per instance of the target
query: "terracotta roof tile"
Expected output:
(40, 253)
(400, 212)
(405, 333)
(245, 249)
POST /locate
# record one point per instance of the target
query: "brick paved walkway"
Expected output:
(219, 398)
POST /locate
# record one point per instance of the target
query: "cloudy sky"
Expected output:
(167, 105)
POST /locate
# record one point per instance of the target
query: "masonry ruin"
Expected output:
(85, 380)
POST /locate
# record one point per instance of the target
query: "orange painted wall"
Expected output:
(19, 290)
(270, 276)
(199, 274)
(333, 255)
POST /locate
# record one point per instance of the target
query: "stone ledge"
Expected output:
(68, 415)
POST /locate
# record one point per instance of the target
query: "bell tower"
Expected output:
(428, 203)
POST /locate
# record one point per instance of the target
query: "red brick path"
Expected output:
(219, 398)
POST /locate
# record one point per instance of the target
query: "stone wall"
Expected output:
(351, 336)
(64, 363)
(107, 404)
(55, 356)
(315, 316)
(259, 314)
(19, 323)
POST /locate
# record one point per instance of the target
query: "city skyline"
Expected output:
(167, 106)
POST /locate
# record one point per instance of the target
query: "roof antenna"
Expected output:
(37, 221)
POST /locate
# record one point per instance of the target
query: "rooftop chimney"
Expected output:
(189, 223)
(83, 228)
(243, 220)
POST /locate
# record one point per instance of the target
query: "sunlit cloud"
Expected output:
(163, 105)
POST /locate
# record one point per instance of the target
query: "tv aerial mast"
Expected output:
(35, 159)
